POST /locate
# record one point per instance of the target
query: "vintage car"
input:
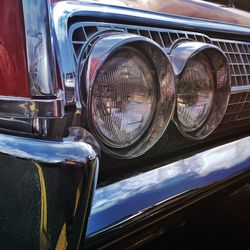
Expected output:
(117, 116)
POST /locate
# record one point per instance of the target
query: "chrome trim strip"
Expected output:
(60, 16)
(71, 150)
(67, 9)
(236, 89)
(183, 50)
(18, 107)
(41, 59)
(147, 190)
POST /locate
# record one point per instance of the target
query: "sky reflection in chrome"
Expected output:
(130, 196)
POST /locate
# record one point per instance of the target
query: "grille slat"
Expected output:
(237, 52)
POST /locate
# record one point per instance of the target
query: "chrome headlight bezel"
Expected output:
(182, 52)
(165, 98)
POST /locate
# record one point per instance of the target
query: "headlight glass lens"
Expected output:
(195, 93)
(123, 98)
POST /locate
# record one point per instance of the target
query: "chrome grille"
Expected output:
(238, 54)
(83, 34)
(238, 111)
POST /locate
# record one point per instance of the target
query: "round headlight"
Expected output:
(203, 87)
(123, 97)
(195, 93)
(128, 89)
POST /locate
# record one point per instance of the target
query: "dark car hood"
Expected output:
(189, 8)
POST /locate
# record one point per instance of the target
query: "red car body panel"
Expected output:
(13, 64)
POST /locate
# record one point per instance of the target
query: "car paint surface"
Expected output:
(188, 8)
(13, 68)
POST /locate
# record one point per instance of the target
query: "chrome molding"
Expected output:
(238, 89)
(18, 107)
(60, 16)
(183, 50)
(72, 150)
(163, 185)
(40, 55)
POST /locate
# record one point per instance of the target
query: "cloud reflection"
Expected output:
(119, 200)
(45, 151)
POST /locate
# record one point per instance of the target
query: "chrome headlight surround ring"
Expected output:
(181, 54)
(105, 47)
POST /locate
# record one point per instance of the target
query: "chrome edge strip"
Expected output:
(40, 55)
(18, 107)
(237, 89)
(68, 151)
(87, 9)
(73, 149)
(147, 190)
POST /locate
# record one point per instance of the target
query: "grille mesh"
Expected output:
(238, 111)
(238, 54)
(83, 35)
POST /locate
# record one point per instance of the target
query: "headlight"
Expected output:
(195, 93)
(203, 87)
(123, 98)
(128, 88)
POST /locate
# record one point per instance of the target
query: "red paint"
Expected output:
(13, 63)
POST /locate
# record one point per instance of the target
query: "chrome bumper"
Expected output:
(126, 202)
(130, 200)
(72, 153)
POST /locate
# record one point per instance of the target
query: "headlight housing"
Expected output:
(203, 87)
(128, 89)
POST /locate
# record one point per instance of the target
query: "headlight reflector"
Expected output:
(123, 97)
(195, 93)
